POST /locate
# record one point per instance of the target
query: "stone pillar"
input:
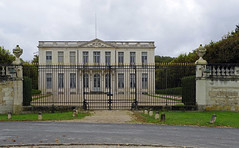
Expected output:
(18, 96)
(201, 82)
(18, 82)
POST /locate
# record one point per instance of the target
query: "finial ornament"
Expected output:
(17, 52)
(201, 52)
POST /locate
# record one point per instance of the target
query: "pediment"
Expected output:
(96, 43)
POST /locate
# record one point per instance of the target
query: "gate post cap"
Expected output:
(201, 51)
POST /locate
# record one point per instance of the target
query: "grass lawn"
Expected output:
(45, 116)
(167, 98)
(224, 118)
(41, 96)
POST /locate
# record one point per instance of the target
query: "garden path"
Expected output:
(109, 116)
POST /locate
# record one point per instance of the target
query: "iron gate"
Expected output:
(108, 97)
(108, 86)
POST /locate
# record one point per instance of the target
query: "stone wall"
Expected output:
(217, 89)
(11, 85)
(223, 95)
(11, 94)
(6, 96)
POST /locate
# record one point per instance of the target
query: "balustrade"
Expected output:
(222, 70)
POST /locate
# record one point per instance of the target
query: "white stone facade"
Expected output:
(98, 53)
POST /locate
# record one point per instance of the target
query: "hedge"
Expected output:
(27, 91)
(171, 91)
(189, 90)
(36, 92)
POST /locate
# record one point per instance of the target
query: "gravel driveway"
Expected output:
(108, 116)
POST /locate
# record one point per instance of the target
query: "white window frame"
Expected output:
(72, 80)
(85, 57)
(96, 82)
(121, 58)
(72, 57)
(60, 57)
(132, 80)
(48, 57)
(107, 81)
(132, 58)
(96, 57)
(60, 80)
(144, 80)
(86, 80)
(48, 80)
(144, 58)
(107, 57)
(120, 80)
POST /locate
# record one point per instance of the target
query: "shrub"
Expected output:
(189, 90)
(171, 91)
(36, 92)
(27, 91)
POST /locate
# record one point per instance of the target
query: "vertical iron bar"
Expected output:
(166, 86)
(84, 102)
(110, 87)
(136, 102)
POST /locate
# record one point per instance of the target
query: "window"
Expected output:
(120, 80)
(132, 80)
(96, 57)
(107, 58)
(144, 58)
(96, 81)
(107, 81)
(132, 58)
(72, 80)
(48, 80)
(60, 57)
(60, 80)
(121, 59)
(86, 81)
(72, 57)
(48, 57)
(85, 57)
(144, 80)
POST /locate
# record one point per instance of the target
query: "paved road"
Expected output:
(101, 133)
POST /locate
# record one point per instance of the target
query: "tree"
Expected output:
(5, 56)
(35, 59)
(163, 59)
(31, 70)
(191, 57)
(168, 75)
(237, 29)
(225, 50)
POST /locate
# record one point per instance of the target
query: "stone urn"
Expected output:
(201, 52)
(17, 52)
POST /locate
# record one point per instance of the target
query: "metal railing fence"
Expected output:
(108, 86)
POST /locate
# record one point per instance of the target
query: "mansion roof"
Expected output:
(96, 43)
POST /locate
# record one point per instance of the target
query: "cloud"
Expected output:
(175, 26)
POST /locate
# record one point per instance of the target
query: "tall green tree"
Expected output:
(5, 56)
(191, 57)
(225, 50)
(35, 59)
(30, 70)
(163, 59)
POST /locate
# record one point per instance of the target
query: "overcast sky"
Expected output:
(176, 26)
